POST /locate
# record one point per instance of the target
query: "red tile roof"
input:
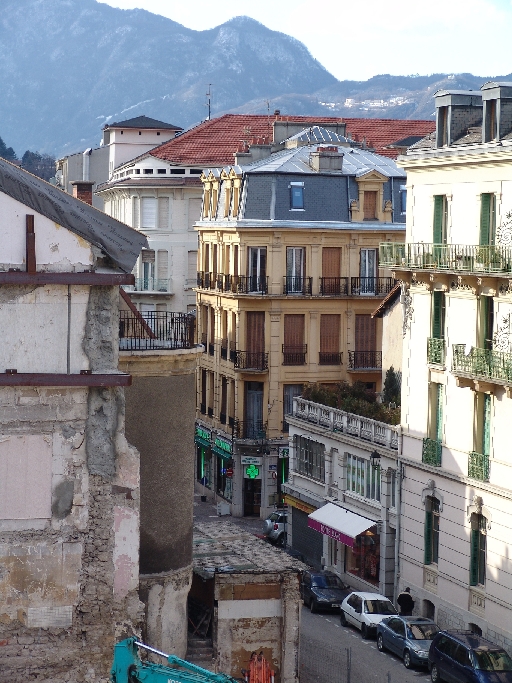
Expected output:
(213, 143)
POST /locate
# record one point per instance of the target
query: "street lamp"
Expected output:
(375, 460)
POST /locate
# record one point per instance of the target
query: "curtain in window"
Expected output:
(148, 212)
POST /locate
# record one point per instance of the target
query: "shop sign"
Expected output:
(296, 503)
(223, 446)
(251, 460)
(203, 433)
(252, 472)
(284, 452)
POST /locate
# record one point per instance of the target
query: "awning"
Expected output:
(338, 523)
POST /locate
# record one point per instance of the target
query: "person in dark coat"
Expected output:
(405, 602)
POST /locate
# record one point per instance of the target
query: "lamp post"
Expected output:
(375, 460)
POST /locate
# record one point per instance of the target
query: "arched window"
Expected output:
(478, 550)
(431, 530)
(429, 609)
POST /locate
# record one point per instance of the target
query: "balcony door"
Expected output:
(295, 269)
(368, 271)
(253, 410)
(257, 269)
(331, 269)
(255, 339)
(365, 355)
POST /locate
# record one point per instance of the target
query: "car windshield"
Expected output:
(422, 631)
(379, 607)
(492, 660)
(274, 516)
(326, 582)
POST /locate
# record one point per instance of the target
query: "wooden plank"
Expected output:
(257, 591)
(30, 259)
(44, 379)
(87, 278)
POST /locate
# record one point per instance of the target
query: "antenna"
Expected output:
(209, 101)
(268, 120)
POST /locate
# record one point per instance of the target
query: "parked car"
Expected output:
(465, 657)
(365, 610)
(323, 590)
(274, 527)
(407, 637)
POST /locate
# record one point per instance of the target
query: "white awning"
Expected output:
(338, 523)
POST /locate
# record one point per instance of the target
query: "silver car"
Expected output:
(274, 527)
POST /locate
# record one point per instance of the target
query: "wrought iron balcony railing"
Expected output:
(249, 360)
(249, 429)
(325, 358)
(371, 286)
(245, 284)
(365, 360)
(232, 351)
(471, 258)
(482, 363)
(200, 278)
(436, 351)
(151, 330)
(432, 452)
(207, 281)
(294, 355)
(297, 285)
(478, 466)
(334, 286)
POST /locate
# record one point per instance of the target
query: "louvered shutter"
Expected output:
(437, 315)
(329, 333)
(191, 265)
(486, 427)
(136, 216)
(162, 264)
(485, 219)
(331, 261)
(148, 212)
(474, 556)
(365, 337)
(293, 330)
(163, 213)
(439, 412)
(255, 334)
(439, 200)
(428, 537)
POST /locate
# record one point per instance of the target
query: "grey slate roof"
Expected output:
(122, 243)
(318, 134)
(142, 122)
(356, 162)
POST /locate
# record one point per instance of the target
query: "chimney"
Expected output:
(82, 189)
(326, 160)
(277, 112)
(456, 111)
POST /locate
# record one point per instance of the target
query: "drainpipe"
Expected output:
(86, 156)
(398, 517)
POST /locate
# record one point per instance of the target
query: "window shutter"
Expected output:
(329, 333)
(437, 315)
(486, 427)
(366, 337)
(148, 256)
(485, 219)
(331, 261)
(439, 200)
(428, 537)
(136, 216)
(148, 212)
(255, 331)
(162, 264)
(293, 330)
(473, 558)
(163, 213)
(192, 265)
(439, 412)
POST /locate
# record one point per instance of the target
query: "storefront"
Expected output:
(363, 558)
(204, 456)
(252, 467)
(222, 449)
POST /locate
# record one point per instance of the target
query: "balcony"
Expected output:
(153, 331)
(253, 361)
(334, 286)
(200, 279)
(325, 358)
(297, 285)
(232, 351)
(149, 284)
(245, 284)
(436, 352)
(294, 355)
(204, 341)
(336, 420)
(364, 360)
(224, 349)
(371, 286)
(484, 364)
(431, 452)
(249, 429)
(454, 258)
(478, 466)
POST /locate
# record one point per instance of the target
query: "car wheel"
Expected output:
(407, 659)
(364, 631)
(434, 674)
(343, 618)
(313, 606)
(380, 643)
(281, 542)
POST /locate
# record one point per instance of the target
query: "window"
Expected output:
(477, 560)
(487, 219)
(295, 268)
(440, 218)
(370, 205)
(163, 213)
(431, 531)
(148, 171)
(177, 171)
(257, 269)
(137, 171)
(296, 196)
(289, 393)
(148, 212)
(330, 340)
(196, 171)
(162, 171)
(162, 270)
(148, 269)
(403, 199)
(158, 132)
(367, 271)
(294, 349)
(255, 337)
(436, 411)
(362, 478)
(486, 322)
(483, 423)
(438, 314)
(310, 458)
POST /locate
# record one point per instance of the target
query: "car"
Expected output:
(465, 657)
(274, 527)
(322, 590)
(365, 611)
(407, 637)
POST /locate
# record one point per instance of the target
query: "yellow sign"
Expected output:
(296, 503)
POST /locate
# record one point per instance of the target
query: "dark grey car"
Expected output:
(323, 590)
(407, 637)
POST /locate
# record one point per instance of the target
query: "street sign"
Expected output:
(272, 468)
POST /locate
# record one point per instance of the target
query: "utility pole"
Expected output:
(209, 101)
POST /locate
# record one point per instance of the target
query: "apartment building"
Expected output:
(288, 279)
(456, 268)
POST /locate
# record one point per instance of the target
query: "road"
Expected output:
(323, 655)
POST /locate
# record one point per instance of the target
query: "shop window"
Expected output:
(225, 477)
(363, 560)
(205, 467)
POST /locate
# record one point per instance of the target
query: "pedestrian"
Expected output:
(405, 602)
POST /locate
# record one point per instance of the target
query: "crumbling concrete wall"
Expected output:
(69, 525)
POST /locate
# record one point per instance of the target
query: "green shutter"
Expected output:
(428, 537)
(438, 218)
(473, 557)
(439, 412)
(485, 219)
(486, 426)
(437, 315)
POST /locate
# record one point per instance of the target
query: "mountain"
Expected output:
(67, 67)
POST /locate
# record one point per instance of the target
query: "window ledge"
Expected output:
(297, 209)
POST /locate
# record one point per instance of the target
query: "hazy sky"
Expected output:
(357, 40)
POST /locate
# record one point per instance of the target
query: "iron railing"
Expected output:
(245, 284)
(371, 286)
(210, 412)
(472, 258)
(202, 408)
(334, 286)
(364, 360)
(478, 466)
(149, 284)
(297, 285)
(207, 282)
(432, 452)
(294, 355)
(435, 351)
(484, 363)
(249, 429)
(200, 279)
(249, 360)
(232, 351)
(211, 349)
(151, 330)
(325, 358)
(223, 418)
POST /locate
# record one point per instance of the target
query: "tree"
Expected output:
(7, 152)
(392, 387)
(41, 165)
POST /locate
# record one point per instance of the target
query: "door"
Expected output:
(295, 262)
(252, 497)
(257, 269)
(368, 271)
(331, 268)
(253, 410)
(255, 337)
(370, 206)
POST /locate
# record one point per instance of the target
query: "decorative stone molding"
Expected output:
(432, 492)
(407, 310)
(477, 601)
(479, 508)
(460, 285)
(501, 339)
(430, 578)
(504, 231)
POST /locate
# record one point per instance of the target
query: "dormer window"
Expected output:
(296, 196)
(491, 121)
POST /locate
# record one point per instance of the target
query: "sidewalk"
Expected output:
(207, 512)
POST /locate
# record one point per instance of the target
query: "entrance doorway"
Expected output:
(252, 497)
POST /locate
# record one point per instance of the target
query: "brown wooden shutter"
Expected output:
(329, 333)
(370, 206)
(366, 333)
(293, 330)
(212, 326)
(331, 261)
(255, 333)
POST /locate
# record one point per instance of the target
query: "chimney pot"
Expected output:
(82, 189)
